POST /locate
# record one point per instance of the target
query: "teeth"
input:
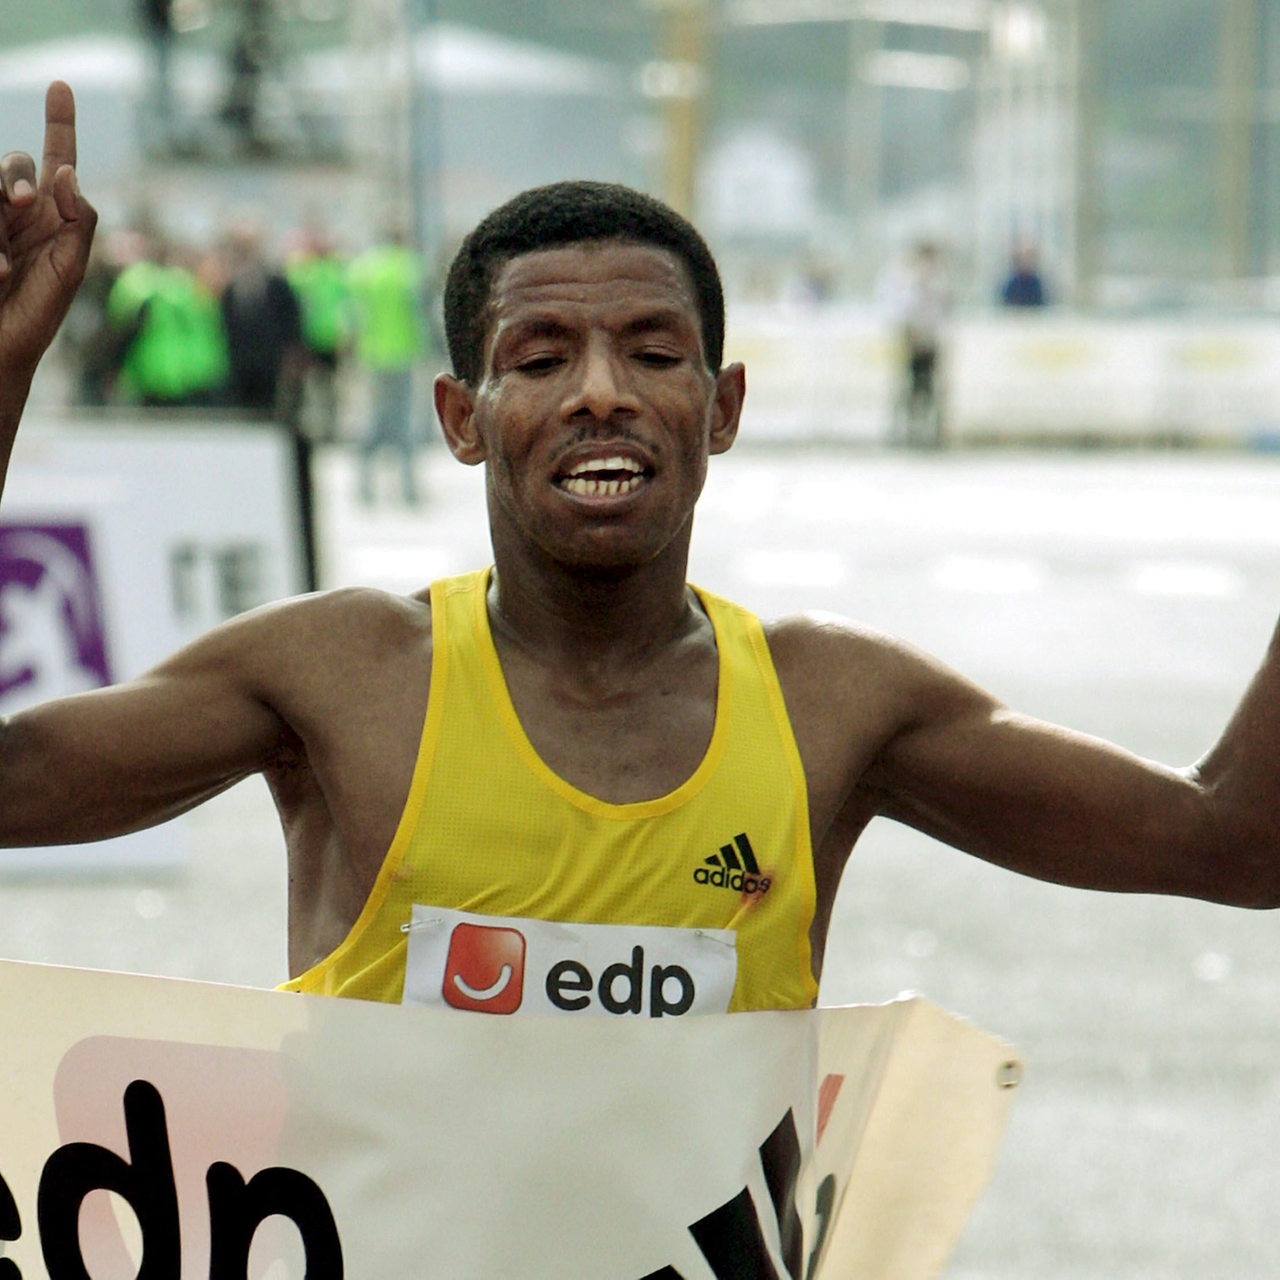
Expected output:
(607, 464)
(584, 479)
(583, 488)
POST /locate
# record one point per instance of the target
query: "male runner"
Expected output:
(725, 769)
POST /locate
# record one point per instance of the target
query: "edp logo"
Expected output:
(145, 1182)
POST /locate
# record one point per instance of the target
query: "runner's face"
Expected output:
(596, 411)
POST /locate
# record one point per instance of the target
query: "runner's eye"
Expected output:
(658, 359)
(542, 363)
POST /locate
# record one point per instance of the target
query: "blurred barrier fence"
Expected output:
(814, 372)
(832, 373)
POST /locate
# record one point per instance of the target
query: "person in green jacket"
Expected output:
(388, 283)
(167, 330)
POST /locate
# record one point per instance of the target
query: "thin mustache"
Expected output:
(616, 432)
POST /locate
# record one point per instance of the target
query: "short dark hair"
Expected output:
(566, 213)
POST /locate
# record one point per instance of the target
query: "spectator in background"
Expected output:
(388, 308)
(1024, 285)
(164, 335)
(317, 272)
(263, 321)
(919, 303)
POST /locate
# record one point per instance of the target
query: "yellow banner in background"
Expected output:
(175, 1130)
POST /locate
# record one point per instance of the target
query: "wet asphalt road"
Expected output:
(1130, 595)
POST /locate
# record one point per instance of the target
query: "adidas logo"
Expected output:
(734, 867)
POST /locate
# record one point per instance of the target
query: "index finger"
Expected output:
(59, 131)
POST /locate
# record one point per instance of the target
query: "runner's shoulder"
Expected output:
(335, 628)
(799, 640)
(364, 620)
(825, 660)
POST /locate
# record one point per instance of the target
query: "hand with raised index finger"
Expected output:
(46, 228)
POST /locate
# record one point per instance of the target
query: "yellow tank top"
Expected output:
(508, 889)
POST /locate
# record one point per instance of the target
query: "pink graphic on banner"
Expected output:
(160, 1115)
(52, 638)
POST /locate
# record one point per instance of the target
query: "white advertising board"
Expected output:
(824, 372)
(157, 1128)
(834, 372)
(120, 544)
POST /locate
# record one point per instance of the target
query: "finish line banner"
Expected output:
(153, 1129)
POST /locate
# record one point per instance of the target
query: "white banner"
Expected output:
(160, 1130)
(119, 544)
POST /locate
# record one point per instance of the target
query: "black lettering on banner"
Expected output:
(731, 1237)
(634, 974)
(10, 1229)
(569, 975)
(144, 1181)
(732, 1241)
(237, 1209)
(780, 1159)
(824, 1211)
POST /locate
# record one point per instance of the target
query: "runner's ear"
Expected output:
(455, 407)
(731, 388)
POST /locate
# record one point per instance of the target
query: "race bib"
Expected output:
(505, 965)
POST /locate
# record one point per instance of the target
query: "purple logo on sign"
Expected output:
(51, 629)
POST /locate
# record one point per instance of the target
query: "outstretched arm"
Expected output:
(1070, 808)
(935, 751)
(46, 228)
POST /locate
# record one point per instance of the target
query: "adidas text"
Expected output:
(740, 881)
(734, 867)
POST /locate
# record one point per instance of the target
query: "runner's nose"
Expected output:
(603, 390)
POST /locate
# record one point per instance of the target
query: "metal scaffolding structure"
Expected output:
(1017, 86)
(1030, 156)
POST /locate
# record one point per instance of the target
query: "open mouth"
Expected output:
(603, 477)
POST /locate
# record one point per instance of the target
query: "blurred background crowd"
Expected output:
(243, 325)
(901, 166)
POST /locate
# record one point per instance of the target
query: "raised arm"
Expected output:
(46, 228)
(934, 751)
